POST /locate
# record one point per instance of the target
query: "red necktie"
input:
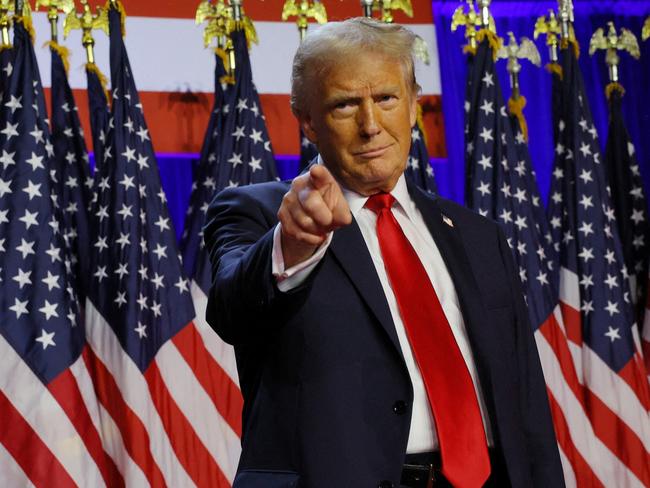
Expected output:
(463, 447)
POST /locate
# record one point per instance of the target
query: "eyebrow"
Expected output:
(344, 97)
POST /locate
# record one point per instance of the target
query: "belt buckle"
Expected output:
(428, 474)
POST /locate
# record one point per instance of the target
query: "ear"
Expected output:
(307, 127)
(413, 109)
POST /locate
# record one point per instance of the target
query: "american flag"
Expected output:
(595, 298)
(49, 434)
(418, 166)
(156, 381)
(504, 188)
(245, 155)
(71, 174)
(98, 110)
(197, 266)
(630, 206)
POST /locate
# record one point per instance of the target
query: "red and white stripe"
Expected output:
(645, 332)
(175, 74)
(601, 417)
(50, 432)
(174, 425)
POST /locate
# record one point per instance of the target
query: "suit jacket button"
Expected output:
(385, 484)
(399, 407)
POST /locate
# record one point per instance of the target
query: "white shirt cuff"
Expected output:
(288, 279)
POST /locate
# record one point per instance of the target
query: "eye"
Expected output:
(387, 99)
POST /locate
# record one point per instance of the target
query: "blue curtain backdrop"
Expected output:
(519, 17)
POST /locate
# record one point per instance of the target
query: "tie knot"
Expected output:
(380, 201)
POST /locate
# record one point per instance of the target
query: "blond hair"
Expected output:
(321, 50)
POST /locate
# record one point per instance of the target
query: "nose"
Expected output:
(369, 125)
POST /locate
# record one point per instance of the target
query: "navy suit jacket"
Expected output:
(327, 395)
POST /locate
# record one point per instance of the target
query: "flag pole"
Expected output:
(5, 22)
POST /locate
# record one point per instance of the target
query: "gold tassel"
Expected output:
(92, 67)
(62, 51)
(612, 87)
(467, 49)
(230, 80)
(493, 40)
(555, 68)
(564, 44)
(222, 54)
(120, 9)
(516, 108)
(26, 20)
(5, 46)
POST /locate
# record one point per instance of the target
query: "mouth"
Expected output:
(372, 153)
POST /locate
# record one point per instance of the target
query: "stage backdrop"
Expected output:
(175, 75)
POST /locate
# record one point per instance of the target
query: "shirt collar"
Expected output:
(400, 192)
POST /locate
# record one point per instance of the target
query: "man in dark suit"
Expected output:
(381, 334)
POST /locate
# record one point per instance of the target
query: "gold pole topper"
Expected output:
(6, 6)
(612, 43)
(472, 21)
(223, 19)
(87, 22)
(387, 7)
(551, 27)
(53, 7)
(513, 52)
(304, 10)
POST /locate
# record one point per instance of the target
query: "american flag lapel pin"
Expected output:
(447, 221)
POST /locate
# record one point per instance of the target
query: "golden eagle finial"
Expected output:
(304, 10)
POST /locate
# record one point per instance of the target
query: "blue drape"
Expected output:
(519, 17)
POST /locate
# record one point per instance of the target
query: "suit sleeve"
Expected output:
(546, 467)
(245, 305)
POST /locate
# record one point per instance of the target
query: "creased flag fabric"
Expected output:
(71, 173)
(6, 67)
(196, 263)
(594, 294)
(153, 376)
(504, 188)
(418, 166)
(630, 203)
(98, 112)
(49, 412)
(245, 155)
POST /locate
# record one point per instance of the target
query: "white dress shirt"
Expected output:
(422, 435)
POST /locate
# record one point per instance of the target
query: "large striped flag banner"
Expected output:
(595, 294)
(174, 71)
(161, 411)
(49, 433)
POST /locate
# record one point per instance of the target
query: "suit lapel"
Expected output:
(448, 239)
(350, 250)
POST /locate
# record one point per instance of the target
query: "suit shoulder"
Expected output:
(261, 192)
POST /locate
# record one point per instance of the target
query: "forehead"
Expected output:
(368, 71)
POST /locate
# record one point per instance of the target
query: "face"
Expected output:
(361, 122)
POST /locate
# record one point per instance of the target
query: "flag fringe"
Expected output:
(494, 40)
(564, 44)
(26, 20)
(516, 108)
(120, 8)
(556, 69)
(62, 51)
(468, 49)
(614, 87)
(5, 46)
(93, 68)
